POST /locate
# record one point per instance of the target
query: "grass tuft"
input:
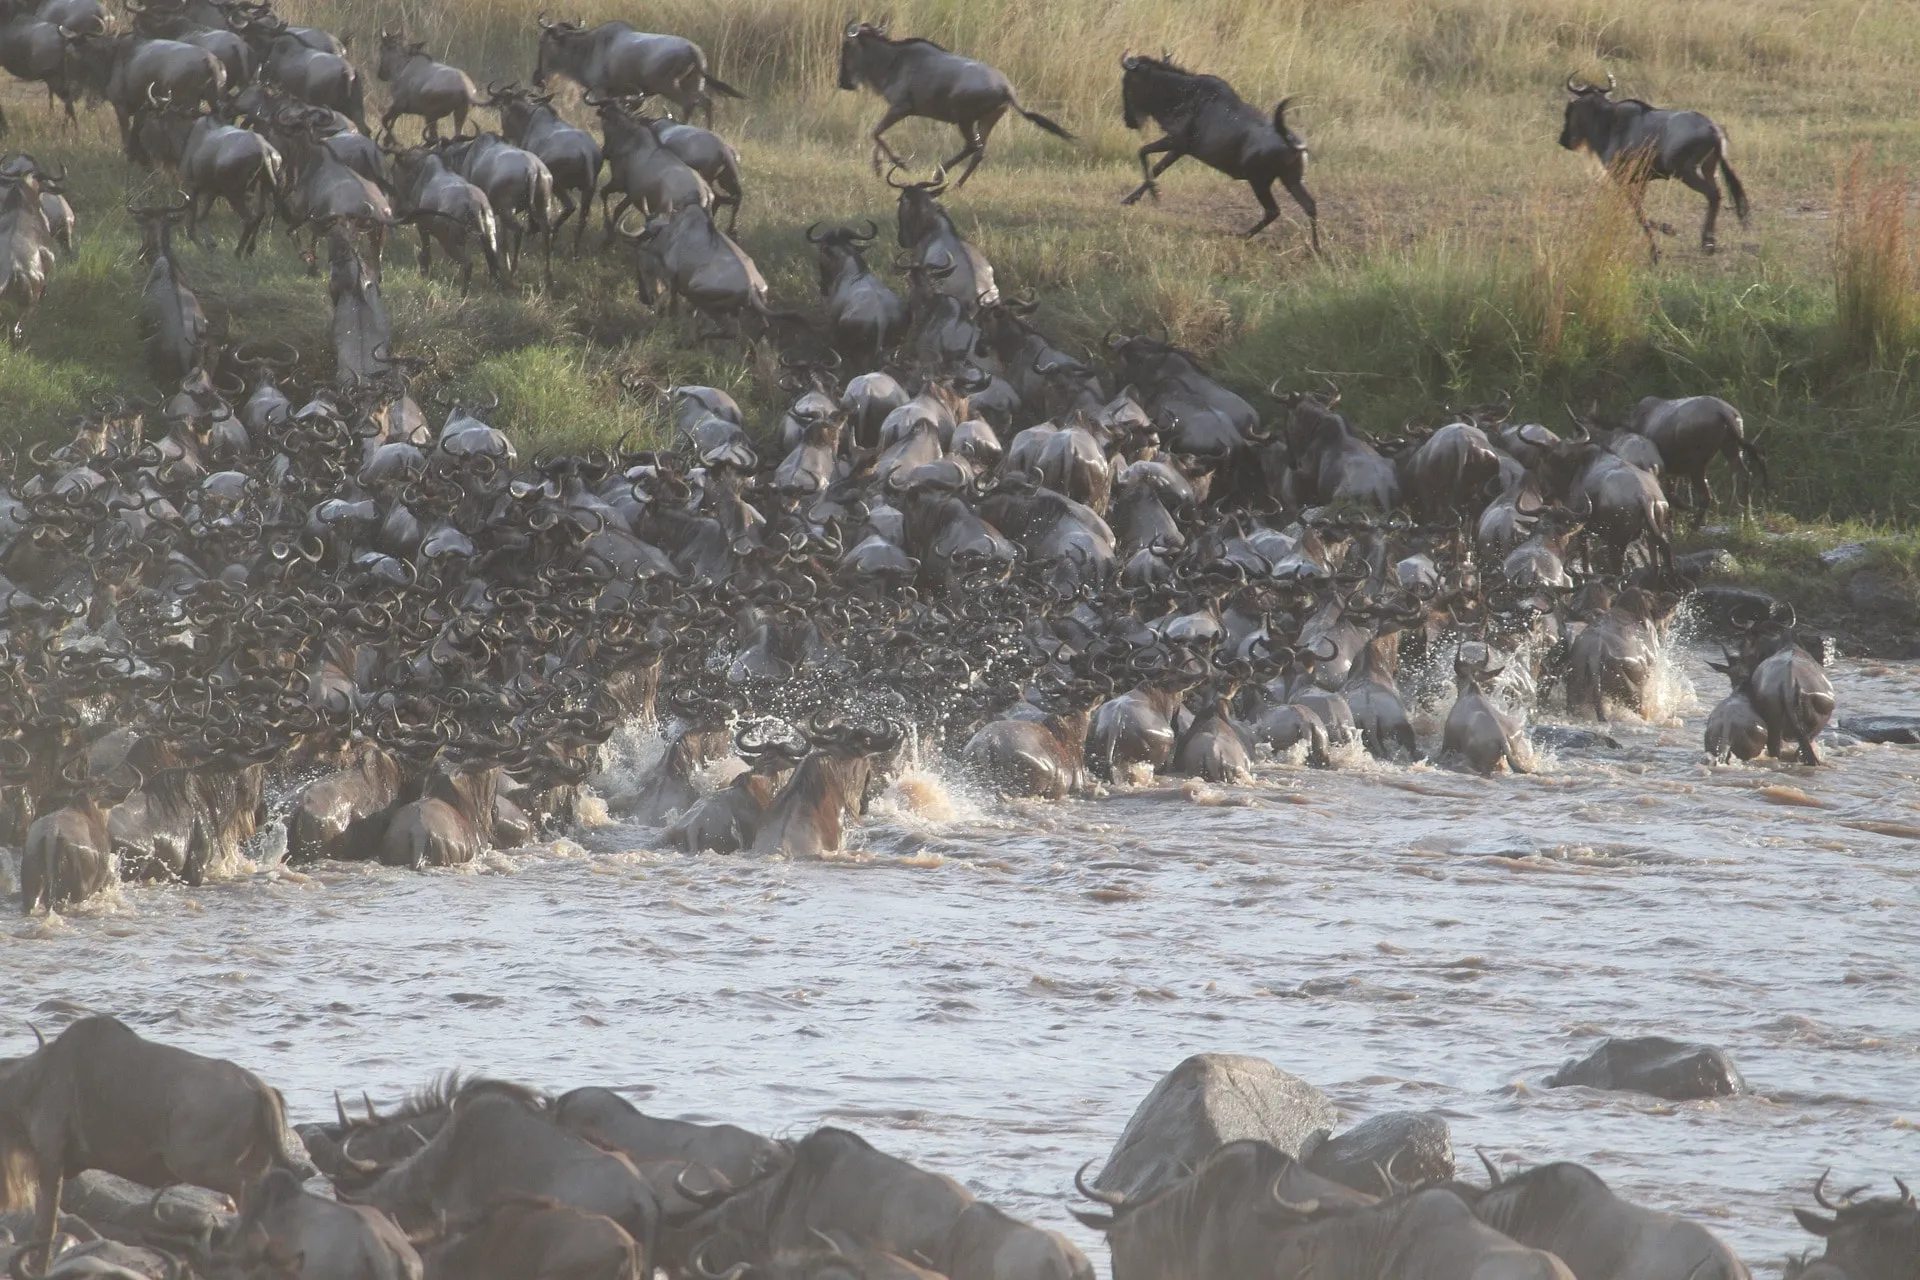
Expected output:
(1876, 264)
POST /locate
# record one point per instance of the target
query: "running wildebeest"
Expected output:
(919, 78)
(1204, 118)
(1636, 140)
(613, 60)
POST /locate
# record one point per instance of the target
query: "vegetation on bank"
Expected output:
(1467, 254)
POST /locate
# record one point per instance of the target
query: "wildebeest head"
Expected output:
(561, 44)
(853, 44)
(1149, 85)
(920, 212)
(1589, 115)
(1874, 1239)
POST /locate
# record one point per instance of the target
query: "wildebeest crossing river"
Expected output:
(989, 988)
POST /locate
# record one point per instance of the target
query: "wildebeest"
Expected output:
(1638, 142)
(67, 853)
(1786, 687)
(1614, 656)
(529, 1238)
(99, 1096)
(500, 1142)
(1044, 758)
(27, 255)
(1873, 1239)
(866, 316)
(316, 76)
(1226, 1218)
(1567, 1210)
(839, 1186)
(572, 155)
(1423, 1235)
(807, 818)
(693, 259)
(1204, 118)
(519, 186)
(928, 234)
(1478, 730)
(613, 60)
(173, 323)
(322, 1238)
(644, 171)
(34, 49)
(130, 71)
(709, 155)
(343, 814)
(1734, 727)
(919, 78)
(362, 337)
(224, 161)
(423, 86)
(737, 1155)
(1690, 432)
(445, 207)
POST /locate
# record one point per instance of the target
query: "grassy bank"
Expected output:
(1467, 254)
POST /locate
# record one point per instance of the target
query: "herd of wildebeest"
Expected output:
(480, 1179)
(275, 598)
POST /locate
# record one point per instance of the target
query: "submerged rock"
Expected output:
(1210, 1099)
(1411, 1147)
(1896, 729)
(1665, 1068)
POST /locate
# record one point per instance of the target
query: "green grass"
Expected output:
(1467, 254)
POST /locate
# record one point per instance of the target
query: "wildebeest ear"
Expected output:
(1815, 1223)
(1097, 1221)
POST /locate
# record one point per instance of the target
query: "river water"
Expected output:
(990, 988)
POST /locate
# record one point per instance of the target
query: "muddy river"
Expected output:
(990, 988)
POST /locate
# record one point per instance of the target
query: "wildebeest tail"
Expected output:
(1280, 125)
(721, 87)
(1051, 126)
(1738, 192)
(273, 1115)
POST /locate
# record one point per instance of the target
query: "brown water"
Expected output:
(991, 988)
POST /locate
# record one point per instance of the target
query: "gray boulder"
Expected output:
(1411, 1146)
(1664, 1068)
(1210, 1099)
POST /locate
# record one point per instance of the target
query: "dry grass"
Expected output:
(1876, 263)
(1467, 253)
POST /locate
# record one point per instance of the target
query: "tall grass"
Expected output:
(1876, 267)
(1587, 292)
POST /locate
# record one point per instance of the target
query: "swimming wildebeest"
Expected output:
(1636, 140)
(1204, 118)
(919, 78)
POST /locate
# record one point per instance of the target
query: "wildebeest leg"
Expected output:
(1637, 197)
(893, 117)
(567, 207)
(1703, 181)
(1148, 174)
(1263, 191)
(1773, 742)
(971, 152)
(426, 255)
(1304, 198)
(387, 121)
(195, 212)
(459, 119)
(619, 211)
(1807, 754)
(1702, 499)
(52, 1177)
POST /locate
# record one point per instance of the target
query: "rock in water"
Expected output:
(1895, 729)
(1664, 1068)
(1209, 1099)
(1410, 1146)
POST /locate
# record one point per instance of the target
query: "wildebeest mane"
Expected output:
(1542, 1195)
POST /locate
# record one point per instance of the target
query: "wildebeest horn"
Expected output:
(1112, 1199)
(340, 1109)
(1819, 1192)
(897, 186)
(829, 1241)
(708, 1198)
(811, 237)
(1906, 1193)
(698, 1262)
(1493, 1174)
(372, 1115)
(1610, 82)
(1305, 1209)
(1571, 86)
(872, 232)
(37, 1036)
